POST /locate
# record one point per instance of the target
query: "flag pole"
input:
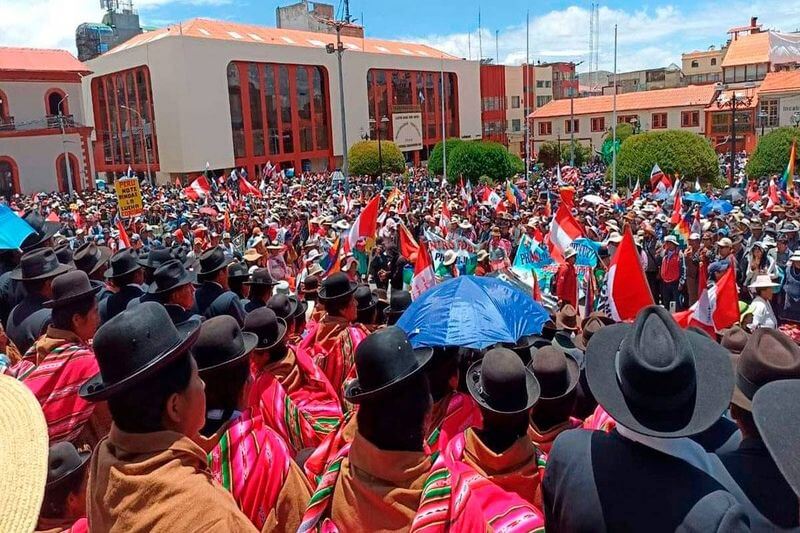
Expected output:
(525, 87)
(444, 127)
(614, 121)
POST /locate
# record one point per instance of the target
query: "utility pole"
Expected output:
(572, 113)
(480, 37)
(64, 144)
(444, 127)
(338, 49)
(144, 142)
(497, 47)
(614, 121)
(525, 89)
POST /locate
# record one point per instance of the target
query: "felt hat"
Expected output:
(589, 326)
(64, 462)
(769, 355)
(39, 264)
(135, 345)
(213, 260)
(365, 299)
(23, 454)
(336, 286)
(398, 303)
(261, 276)
(155, 258)
(64, 254)
(70, 287)
(525, 346)
(556, 371)
(567, 318)
(221, 342)
(267, 326)
(122, 263)
(450, 257)
(384, 360)
(89, 257)
(614, 237)
(284, 307)
(310, 284)
(252, 255)
(43, 230)
(656, 379)
(238, 272)
(501, 383)
(777, 416)
(169, 276)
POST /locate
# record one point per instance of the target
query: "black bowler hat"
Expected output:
(135, 345)
(283, 306)
(557, 373)
(300, 306)
(500, 383)
(39, 264)
(69, 287)
(777, 416)
(261, 276)
(267, 326)
(89, 257)
(656, 379)
(122, 263)
(213, 260)
(525, 345)
(155, 258)
(64, 462)
(168, 276)
(43, 229)
(364, 298)
(399, 302)
(336, 286)
(238, 271)
(311, 284)
(384, 360)
(222, 343)
(64, 254)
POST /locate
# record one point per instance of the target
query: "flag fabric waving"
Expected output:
(408, 245)
(657, 176)
(717, 307)
(198, 189)
(787, 181)
(424, 277)
(365, 225)
(444, 218)
(627, 288)
(677, 207)
(124, 241)
(564, 229)
(248, 189)
(330, 262)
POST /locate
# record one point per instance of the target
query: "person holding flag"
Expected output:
(672, 273)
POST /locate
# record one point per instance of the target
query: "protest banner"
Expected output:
(129, 197)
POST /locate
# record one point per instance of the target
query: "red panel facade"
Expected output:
(493, 103)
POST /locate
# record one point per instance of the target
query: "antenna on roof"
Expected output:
(347, 11)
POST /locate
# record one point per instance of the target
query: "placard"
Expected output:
(407, 128)
(129, 197)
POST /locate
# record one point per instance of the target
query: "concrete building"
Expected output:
(41, 120)
(678, 108)
(645, 80)
(779, 100)
(244, 95)
(703, 66)
(120, 23)
(314, 17)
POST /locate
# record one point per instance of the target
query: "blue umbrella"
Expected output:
(696, 197)
(720, 206)
(471, 312)
(13, 229)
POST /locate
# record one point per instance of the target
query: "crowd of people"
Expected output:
(230, 360)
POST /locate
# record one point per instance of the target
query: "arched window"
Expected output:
(53, 102)
(61, 173)
(4, 109)
(9, 177)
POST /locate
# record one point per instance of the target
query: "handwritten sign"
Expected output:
(129, 197)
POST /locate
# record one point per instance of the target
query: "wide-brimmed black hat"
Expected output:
(311, 284)
(238, 272)
(70, 287)
(134, 345)
(266, 325)
(525, 346)
(769, 355)
(398, 303)
(155, 258)
(64, 462)
(336, 286)
(43, 229)
(90, 257)
(64, 253)
(556, 371)
(656, 379)
(776, 412)
(39, 264)
(364, 298)
(213, 260)
(169, 276)
(283, 306)
(500, 383)
(261, 276)
(122, 263)
(384, 360)
(300, 306)
(221, 343)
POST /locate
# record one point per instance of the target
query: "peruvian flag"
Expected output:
(492, 197)
(199, 188)
(365, 225)
(424, 277)
(716, 309)
(124, 241)
(627, 288)
(248, 189)
(548, 207)
(657, 176)
(567, 195)
(677, 208)
(774, 199)
(636, 191)
(752, 192)
(564, 229)
(444, 218)
(408, 245)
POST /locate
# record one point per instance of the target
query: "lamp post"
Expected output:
(762, 119)
(733, 102)
(572, 113)
(338, 49)
(796, 119)
(146, 153)
(379, 129)
(64, 144)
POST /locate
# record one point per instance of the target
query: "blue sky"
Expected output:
(650, 34)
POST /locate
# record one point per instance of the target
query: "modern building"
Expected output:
(703, 66)
(590, 118)
(42, 125)
(120, 23)
(314, 17)
(243, 95)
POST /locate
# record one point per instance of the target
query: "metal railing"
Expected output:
(7, 124)
(48, 122)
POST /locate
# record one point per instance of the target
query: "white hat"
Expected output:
(671, 239)
(312, 255)
(661, 217)
(449, 258)
(795, 256)
(762, 281)
(694, 237)
(614, 237)
(282, 287)
(342, 225)
(725, 242)
(768, 241)
(533, 223)
(612, 224)
(464, 224)
(570, 253)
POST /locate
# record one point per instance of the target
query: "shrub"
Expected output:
(473, 159)
(364, 159)
(548, 154)
(583, 154)
(435, 165)
(517, 164)
(624, 130)
(772, 153)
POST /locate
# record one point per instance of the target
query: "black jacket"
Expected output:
(116, 303)
(211, 300)
(27, 321)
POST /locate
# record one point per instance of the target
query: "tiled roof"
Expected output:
(740, 93)
(778, 82)
(248, 33)
(693, 95)
(748, 49)
(39, 60)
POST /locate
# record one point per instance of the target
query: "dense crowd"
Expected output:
(230, 359)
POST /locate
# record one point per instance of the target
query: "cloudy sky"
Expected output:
(650, 34)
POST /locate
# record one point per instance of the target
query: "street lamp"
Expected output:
(762, 119)
(572, 114)
(338, 49)
(64, 143)
(796, 119)
(735, 100)
(378, 130)
(146, 153)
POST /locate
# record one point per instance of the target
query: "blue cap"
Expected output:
(717, 266)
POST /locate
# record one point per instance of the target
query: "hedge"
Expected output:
(473, 159)
(364, 160)
(772, 153)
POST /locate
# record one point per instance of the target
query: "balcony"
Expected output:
(7, 124)
(54, 121)
(49, 122)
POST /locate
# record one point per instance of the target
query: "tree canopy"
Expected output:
(772, 153)
(365, 160)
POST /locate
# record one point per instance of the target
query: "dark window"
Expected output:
(713, 61)
(515, 102)
(286, 108)
(237, 118)
(572, 126)
(598, 124)
(320, 109)
(54, 105)
(516, 124)
(304, 110)
(659, 120)
(690, 119)
(770, 108)
(271, 99)
(695, 64)
(256, 117)
(545, 128)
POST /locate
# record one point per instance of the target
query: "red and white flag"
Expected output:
(199, 188)
(491, 197)
(657, 176)
(637, 191)
(365, 225)
(124, 241)
(248, 189)
(424, 277)
(564, 229)
(773, 198)
(677, 208)
(626, 285)
(408, 245)
(716, 309)
(444, 218)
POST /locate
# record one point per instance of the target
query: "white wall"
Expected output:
(36, 159)
(26, 101)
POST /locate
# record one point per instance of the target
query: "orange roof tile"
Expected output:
(748, 49)
(693, 95)
(39, 60)
(779, 82)
(249, 33)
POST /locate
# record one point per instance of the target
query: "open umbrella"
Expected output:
(733, 194)
(593, 199)
(696, 197)
(720, 206)
(471, 312)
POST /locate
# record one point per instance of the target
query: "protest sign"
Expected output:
(129, 197)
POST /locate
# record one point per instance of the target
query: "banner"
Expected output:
(407, 129)
(537, 259)
(129, 197)
(466, 252)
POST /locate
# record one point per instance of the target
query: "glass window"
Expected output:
(695, 64)
(235, 101)
(286, 108)
(728, 72)
(515, 102)
(545, 128)
(659, 120)
(401, 88)
(761, 71)
(739, 73)
(598, 124)
(134, 126)
(256, 119)
(690, 119)
(570, 126)
(304, 109)
(320, 109)
(271, 99)
(452, 105)
(770, 108)
(713, 61)
(516, 124)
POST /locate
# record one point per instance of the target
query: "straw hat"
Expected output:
(23, 432)
(762, 281)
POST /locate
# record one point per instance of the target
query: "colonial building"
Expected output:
(43, 134)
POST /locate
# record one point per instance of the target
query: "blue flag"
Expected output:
(13, 229)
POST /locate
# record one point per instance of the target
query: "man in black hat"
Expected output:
(213, 297)
(260, 289)
(149, 263)
(238, 274)
(285, 308)
(64, 506)
(29, 318)
(660, 384)
(366, 307)
(172, 287)
(376, 486)
(91, 258)
(125, 274)
(398, 303)
(151, 473)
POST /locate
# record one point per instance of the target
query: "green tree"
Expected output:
(473, 159)
(772, 153)
(435, 164)
(365, 160)
(548, 154)
(675, 151)
(624, 130)
(583, 154)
